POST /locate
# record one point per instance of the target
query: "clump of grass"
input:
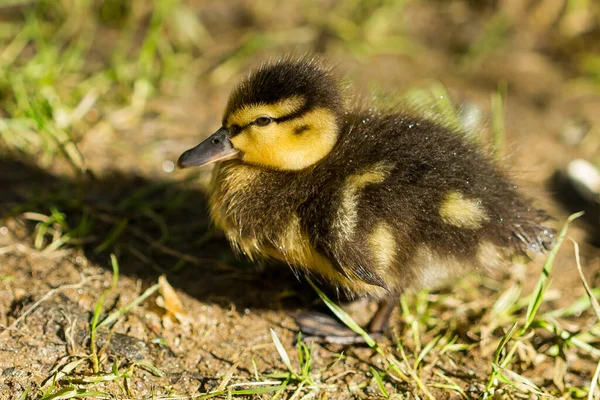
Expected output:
(49, 88)
(367, 28)
(302, 379)
(68, 373)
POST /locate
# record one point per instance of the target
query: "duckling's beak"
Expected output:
(216, 147)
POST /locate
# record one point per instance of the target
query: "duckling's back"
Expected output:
(399, 202)
(417, 203)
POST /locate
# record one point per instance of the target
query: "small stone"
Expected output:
(585, 178)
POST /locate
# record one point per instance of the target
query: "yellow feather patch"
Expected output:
(294, 247)
(347, 215)
(383, 245)
(491, 256)
(434, 270)
(249, 113)
(462, 212)
(277, 145)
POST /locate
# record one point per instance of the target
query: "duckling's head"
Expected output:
(284, 116)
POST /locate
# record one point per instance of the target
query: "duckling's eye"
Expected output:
(262, 121)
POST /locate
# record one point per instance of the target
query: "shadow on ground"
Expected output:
(154, 228)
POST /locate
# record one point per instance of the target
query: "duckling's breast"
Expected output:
(257, 209)
(271, 214)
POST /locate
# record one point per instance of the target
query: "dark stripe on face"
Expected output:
(296, 114)
(235, 130)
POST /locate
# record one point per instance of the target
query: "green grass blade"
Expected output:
(261, 390)
(505, 339)
(588, 290)
(343, 316)
(594, 383)
(379, 381)
(113, 317)
(541, 284)
(282, 353)
(112, 237)
(23, 395)
(93, 327)
(428, 347)
(115, 267)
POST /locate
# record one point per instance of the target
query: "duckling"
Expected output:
(374, 202)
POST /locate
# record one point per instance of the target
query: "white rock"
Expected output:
(585, 178)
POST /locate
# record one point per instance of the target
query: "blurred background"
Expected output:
(88, 81)
(99, 97)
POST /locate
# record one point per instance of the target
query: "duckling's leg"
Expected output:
(325, 328)
(381, 319)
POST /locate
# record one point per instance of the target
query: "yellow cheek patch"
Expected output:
(279, 146)
(347, 217)
(462, 212)
(248, 114)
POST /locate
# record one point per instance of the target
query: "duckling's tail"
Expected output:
(532, 235)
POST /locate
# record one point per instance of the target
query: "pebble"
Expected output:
(585, 178)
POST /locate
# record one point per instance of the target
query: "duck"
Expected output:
(372, 200)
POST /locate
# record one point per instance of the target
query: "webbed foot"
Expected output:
(323, 328)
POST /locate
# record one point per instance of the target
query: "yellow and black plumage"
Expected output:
(373, 201)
